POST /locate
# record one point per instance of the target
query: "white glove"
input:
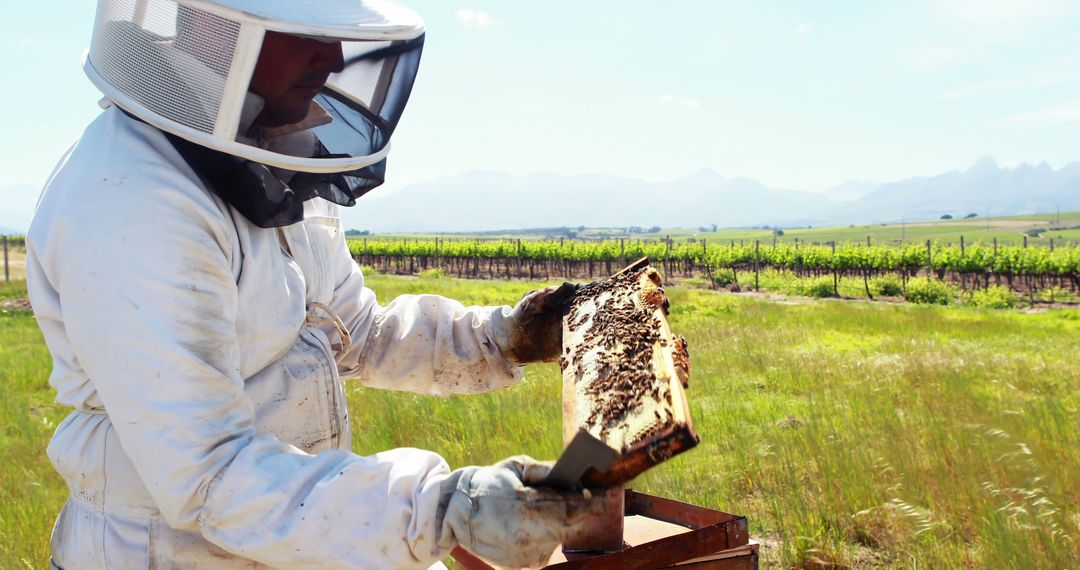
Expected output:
(493, 513)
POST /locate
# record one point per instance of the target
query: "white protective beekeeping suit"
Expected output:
(203, 351)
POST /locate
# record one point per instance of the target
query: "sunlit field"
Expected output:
(1063, 228)
(851, 434)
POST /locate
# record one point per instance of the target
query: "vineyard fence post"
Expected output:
(562, 261)
(963, 273)
(1025, 240)
(929, 261)
(667, 257)
(7, 274)
(835, 273)
(705, 262)
(622, 252)
(757, 261)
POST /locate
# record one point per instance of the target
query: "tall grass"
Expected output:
(854, 434)
(31, 492)
(851, 434)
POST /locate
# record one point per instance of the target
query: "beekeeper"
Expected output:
(188, 270)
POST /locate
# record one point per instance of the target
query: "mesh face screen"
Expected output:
(360, 80)
(172, 60)
(367, 97)
(365, 102)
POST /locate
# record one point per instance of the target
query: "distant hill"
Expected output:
(849, 191)
(491, 200)
(477, 201)
(984, 188)
(17, 208)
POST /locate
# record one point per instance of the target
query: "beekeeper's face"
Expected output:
(289, 73)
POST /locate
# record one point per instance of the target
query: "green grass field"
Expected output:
(852, 434)
(1007, 230)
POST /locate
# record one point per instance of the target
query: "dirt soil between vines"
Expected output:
(15, 305)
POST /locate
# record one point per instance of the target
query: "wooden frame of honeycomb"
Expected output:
(625, 374)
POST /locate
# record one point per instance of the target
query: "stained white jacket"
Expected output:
(211, 428)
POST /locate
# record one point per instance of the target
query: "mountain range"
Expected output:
(479, 201)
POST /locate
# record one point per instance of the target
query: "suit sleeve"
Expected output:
(419, 343)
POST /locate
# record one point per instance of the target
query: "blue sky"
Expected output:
(793, 94)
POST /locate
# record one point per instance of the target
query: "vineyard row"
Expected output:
(976, 266)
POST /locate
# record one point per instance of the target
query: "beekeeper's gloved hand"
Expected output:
(495, 514)
(532, 330)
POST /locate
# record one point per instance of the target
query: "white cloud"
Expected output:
(687, 102)
(1002, 21)
(855, 88)
(1059, 116)
(1060, 75)
(931, 57)
(804, 28)
(1003, 11)
(976, 30)
(477, 19)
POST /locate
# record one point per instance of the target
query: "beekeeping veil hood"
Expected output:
(185, 66)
